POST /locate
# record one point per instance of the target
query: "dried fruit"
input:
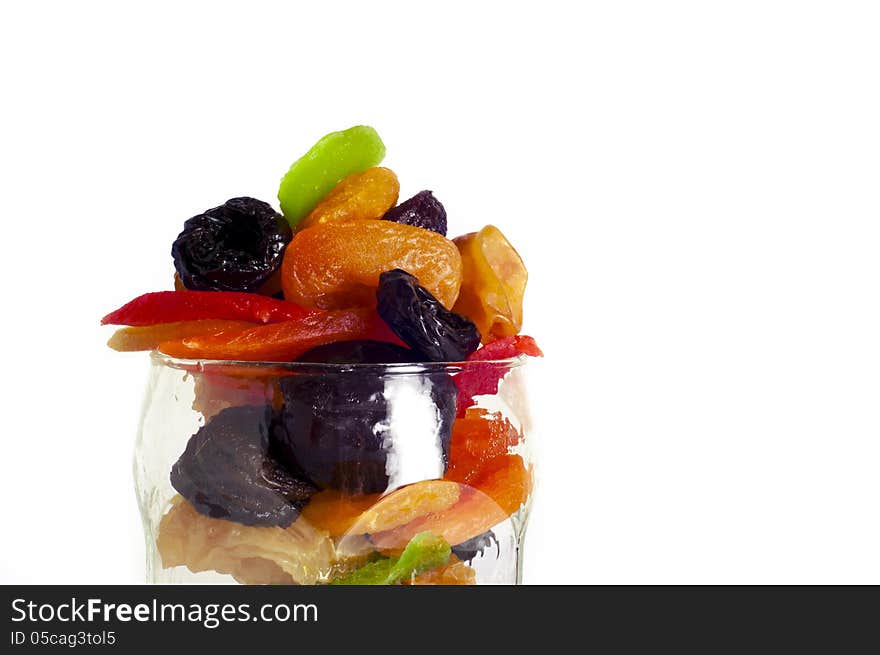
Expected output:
(338, 264)
(497, 491)
(422, 210)
(468, 550)
(473, 514)
(299, 554)
(359, 196)
(363, 432)
(478, 378)
(237, 246)
(493, 283)
(406, 504)
(333, 157)
(336, 512)
(226, 471)
(283, 342)
(214, 391)
(506, 480)
(425, 325)
(175, 306)
(148, 337)
(455, 572)
(358, 351)
(425, 551)
(477, 437)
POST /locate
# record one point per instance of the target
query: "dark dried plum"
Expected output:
(364, 431)
(422, 210)
(226, 471)
(237, 246)
(424, 324)
(359, 351)
(468, 550)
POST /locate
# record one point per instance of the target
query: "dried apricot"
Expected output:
(478, 437)
(493, 283)
(337, 265)
(359, 196)
(335, 512)
(407, 504)
(496, 492)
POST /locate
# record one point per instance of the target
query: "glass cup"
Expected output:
(301, 473)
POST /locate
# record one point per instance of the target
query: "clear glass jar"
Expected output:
(300, 473)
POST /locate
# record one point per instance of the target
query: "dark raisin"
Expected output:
(360, 430)
(227, 472)
(425, 325)
(237, 246)
(422, 210)
(468, 550)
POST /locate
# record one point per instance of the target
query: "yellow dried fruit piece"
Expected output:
(493, 283)
(299, 554)
(360, 196)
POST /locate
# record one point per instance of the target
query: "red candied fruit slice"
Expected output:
(175, 306)
(483, 379)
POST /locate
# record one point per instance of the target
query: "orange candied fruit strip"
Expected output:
(284, 341)
(148, 337)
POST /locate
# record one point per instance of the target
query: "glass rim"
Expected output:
(197, 365)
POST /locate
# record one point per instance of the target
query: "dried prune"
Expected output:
(358, 351)
(227, 472)
(422, 210)
(423, 323)
(237, 246)
(361, 430)
(468, 550)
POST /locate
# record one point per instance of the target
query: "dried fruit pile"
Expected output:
(366, 462)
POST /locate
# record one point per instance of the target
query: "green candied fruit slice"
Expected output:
(424, 552)
(336, 155)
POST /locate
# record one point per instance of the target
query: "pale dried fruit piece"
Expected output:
(337, 265)
(298, 554)
(455, 572)
(493, 283)
(473, 514)
(360, 196)
(407, 504)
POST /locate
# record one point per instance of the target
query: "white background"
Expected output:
(694, 186)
